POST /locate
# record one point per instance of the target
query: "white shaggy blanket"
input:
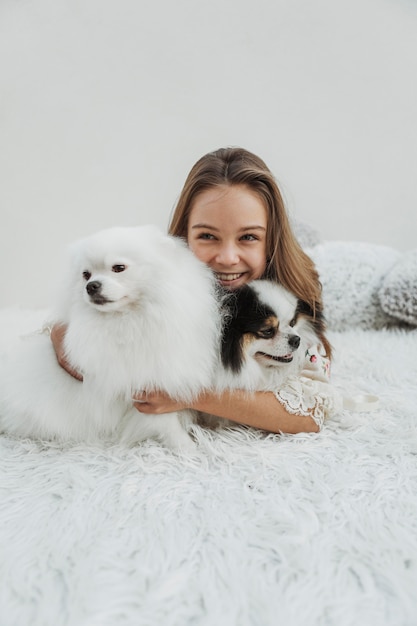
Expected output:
(258, 530)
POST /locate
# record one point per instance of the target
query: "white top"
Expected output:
(312, 394)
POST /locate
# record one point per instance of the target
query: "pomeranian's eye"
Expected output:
(87, 275)
(118, 268)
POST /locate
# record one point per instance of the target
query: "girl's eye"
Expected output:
(249, 237)
(86, 275)
(207, 236)
(118, 268)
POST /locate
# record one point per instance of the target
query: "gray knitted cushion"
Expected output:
(351, 274)
(398, 292)
(306, 235)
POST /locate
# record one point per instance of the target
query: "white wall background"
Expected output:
(106, 104)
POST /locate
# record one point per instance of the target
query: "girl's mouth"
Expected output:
(228, 278)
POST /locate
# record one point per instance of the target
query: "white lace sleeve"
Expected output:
(304, 396)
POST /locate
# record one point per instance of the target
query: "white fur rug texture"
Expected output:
(257, 530)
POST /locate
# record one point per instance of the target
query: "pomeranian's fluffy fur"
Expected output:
(142, 314)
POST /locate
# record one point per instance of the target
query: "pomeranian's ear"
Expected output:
(69, 278)
(151, 229)
(73, 252)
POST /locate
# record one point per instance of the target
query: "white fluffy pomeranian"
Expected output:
(142, 314)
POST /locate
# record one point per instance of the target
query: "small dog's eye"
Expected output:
(293, 322)
(267, 333)
(87, 275)
(118, 268)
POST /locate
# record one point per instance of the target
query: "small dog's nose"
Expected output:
(294, 341)
(93, 287)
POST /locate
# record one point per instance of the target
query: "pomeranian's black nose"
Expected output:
(294, 341)
(93, 287)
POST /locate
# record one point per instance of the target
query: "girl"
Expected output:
(233, 218)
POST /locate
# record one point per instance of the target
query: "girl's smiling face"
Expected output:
(227, 231)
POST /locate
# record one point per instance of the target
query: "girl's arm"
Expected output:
(260, 409)
(57, 337)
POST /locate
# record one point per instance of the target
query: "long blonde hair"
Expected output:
(287, 263)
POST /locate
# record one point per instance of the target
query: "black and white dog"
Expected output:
(266, 335)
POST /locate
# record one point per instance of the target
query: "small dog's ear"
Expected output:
(231, 348)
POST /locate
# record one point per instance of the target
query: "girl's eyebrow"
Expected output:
(245, 228)
(201, 225)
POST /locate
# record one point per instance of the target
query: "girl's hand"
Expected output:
(57, 337)
(156, 403)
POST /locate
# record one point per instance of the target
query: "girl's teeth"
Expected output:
(228, 276)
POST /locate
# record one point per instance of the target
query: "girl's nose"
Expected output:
(228, 254)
